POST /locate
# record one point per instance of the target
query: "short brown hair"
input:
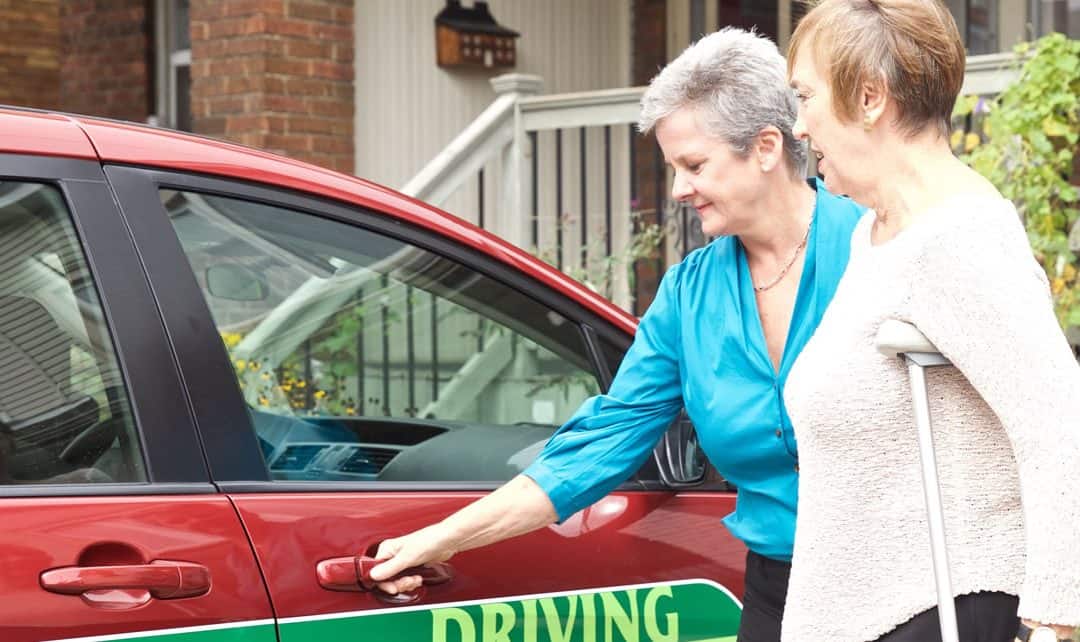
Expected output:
(913, 44)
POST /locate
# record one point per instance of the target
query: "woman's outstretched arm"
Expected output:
(515, 508)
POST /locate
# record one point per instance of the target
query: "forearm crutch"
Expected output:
(900, 339)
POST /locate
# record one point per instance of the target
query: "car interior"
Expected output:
(63, 414)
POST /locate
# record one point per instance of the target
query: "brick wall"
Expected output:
(29, 60)
(276, 74)
(106, 58)
(649, 51)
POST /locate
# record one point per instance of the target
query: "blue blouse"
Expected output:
(700, 346)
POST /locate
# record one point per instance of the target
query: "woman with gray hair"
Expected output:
(718, 339)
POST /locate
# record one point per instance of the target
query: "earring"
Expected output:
(867, 123)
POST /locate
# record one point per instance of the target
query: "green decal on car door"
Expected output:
(690, 611)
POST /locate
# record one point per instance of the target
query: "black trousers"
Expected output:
(763, 599)
(982, 617)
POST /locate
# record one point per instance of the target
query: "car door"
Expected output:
(111, 527)
(355, 378)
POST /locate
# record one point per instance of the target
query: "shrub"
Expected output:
(1024, 141)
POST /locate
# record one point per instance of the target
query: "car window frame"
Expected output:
(172, 456)
(213, 389)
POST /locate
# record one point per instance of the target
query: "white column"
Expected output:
(512, 218)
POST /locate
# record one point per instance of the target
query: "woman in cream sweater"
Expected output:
(876, 81)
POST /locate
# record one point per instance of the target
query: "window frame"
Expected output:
(165, 433)
(234, 457)
(168, 62)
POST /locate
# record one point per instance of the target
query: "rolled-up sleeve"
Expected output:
(610, 435)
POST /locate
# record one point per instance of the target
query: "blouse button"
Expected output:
(779, 433)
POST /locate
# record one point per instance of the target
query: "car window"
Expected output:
(363, 357)
(64, 412)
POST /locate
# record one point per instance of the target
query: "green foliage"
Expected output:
(1024, 141)
(600, 270)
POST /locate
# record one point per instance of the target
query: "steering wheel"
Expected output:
(90, 444)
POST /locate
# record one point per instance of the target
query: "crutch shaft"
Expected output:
(932, 494)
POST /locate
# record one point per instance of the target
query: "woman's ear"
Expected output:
(874, 98)
(769, 149)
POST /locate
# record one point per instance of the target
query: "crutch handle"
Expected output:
(896, 337)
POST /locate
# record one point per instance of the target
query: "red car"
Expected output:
(226, 376)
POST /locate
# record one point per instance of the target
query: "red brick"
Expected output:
(252, 7)
(242, 124)
(209, 125)
(336, 33)
(285, 104)
(331, 108)
(302, 56)
(303, 86)
(239, 26)
(29, 56)
(307, 125)
(288, 67)
(287, 142)
(276, 124)
(310, 10)
(332, 145)
(240, 84)
(200, 31)
(104, 48)
(331, 70)
(273, 84)
(290, 27)
(343, 15)
(343, 53)
(308, 49)
(224, 105)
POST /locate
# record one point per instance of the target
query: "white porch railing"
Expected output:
(566, 175)
(566, 179)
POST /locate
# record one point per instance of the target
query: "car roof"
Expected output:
(36, 132)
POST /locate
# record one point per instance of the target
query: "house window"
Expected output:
(173, 54)
(1057, 15)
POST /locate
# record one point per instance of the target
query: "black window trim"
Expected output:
(169, 270)
(165, 431)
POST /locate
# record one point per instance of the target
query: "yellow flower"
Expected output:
(1068, 272)
(240, 364)
(263, 401)
(319, 394)
(956, 138)
(1057, 285)
(231, 338)
(971, 141)
(301, 384)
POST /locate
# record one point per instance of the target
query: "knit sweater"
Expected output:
(1006, 423)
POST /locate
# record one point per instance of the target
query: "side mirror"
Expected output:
(235, 283)
(679, 456)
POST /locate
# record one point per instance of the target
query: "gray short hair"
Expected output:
(737, 80)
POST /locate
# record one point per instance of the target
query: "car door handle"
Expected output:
(354, 573)
(163, 579)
